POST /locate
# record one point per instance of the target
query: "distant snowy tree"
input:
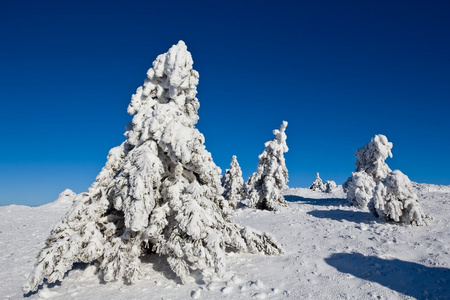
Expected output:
(233, 184)
(158, 193)
(317, 185)
(394, 200)
(329, 186)
(264, 187)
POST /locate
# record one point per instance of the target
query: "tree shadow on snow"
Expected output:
(160, 265)
(408, 278)
(319, 202)
(348, 215)
(76, 266)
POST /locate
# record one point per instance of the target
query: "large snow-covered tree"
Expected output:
(233, 184)
(264, 187)
(158, 193)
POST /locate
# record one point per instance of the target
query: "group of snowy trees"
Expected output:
(388, 194)
(160, 192)
(319, 186)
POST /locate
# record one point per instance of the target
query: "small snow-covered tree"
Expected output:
(370, 168)
(233, 184)
(317, 185)
(158, 193)
(329, 186)
(264, 187)
(388, 194)
(394, 200)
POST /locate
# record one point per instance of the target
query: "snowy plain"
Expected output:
(332, 251)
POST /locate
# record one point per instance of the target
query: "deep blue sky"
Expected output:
(338, 71)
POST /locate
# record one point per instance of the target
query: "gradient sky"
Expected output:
(338, 71)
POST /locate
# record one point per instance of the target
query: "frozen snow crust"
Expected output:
(158, 193)
(332, 251)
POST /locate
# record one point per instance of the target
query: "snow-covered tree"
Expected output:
(388, 194)
(370, 168)
(371, 158)
(158, 193)
(394, 200)
(264, 187)
(329, 186)
(233, 184)
(317, 185)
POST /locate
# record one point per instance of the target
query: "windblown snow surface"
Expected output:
(332, 251)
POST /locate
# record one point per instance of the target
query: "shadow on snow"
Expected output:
(319, 202)
(408, 278)
(341, 215)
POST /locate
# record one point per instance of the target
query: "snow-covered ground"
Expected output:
(332, 251)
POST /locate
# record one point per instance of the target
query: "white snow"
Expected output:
(332, 251)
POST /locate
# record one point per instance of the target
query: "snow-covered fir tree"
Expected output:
(395, 200)
(158, 193)
(264, 187)
(388, 194)
(329, 186)
(233, 184)
(317, 185)
(370, 168)
(371, 158)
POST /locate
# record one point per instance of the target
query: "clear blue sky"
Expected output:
(338, 71)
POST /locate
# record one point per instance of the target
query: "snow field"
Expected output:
(332, 251)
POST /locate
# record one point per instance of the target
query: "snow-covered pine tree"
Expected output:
(317, 185)
(394, 200)
(233, 184)
(264, 187)
(158, 193)
(370, 168)
(329, 186)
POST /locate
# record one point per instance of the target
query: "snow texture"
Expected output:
(233, 184)
(264, 187)
(158, 193)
